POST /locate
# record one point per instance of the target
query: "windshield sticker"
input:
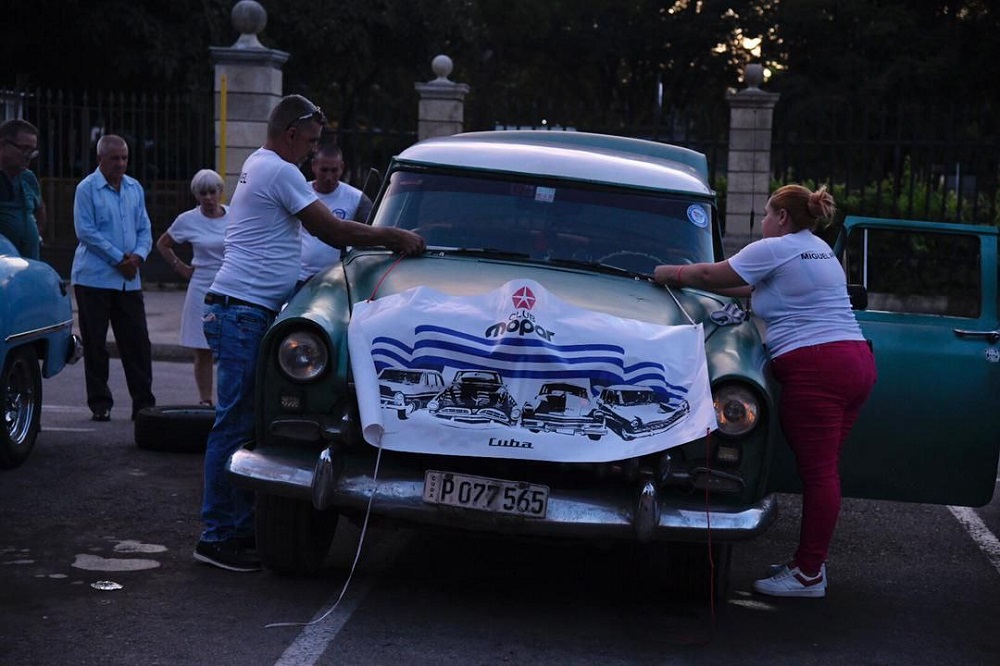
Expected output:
(992, 355)
(545, 194)
(697, 216)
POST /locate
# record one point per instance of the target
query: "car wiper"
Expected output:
(484, 252)
(598, 266)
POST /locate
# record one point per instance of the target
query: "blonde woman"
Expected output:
(818, 355)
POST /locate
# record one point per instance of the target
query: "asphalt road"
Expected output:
(910, 584)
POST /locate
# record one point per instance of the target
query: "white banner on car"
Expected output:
(519, 373)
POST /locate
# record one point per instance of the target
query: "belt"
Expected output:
(226, 301)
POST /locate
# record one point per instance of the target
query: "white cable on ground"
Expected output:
(357, 555)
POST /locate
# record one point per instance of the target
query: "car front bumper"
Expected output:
(345, 483)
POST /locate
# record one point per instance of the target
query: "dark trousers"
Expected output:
(126, 312)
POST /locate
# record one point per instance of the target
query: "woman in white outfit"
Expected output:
(204, 227)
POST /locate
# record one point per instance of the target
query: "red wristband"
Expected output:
(677, 276)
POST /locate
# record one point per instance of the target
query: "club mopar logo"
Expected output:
(523, 299)
(521, 323)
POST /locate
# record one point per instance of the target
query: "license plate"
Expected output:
(484, 494)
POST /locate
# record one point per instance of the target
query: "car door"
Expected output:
(930, 432)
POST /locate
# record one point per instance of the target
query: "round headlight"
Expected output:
(302, 356)
(737, 409)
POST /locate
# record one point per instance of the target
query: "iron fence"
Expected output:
(925, 162)
(169, 138)
(930, 162)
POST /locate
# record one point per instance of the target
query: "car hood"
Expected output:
(377, 274)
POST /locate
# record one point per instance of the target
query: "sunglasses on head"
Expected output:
(316, 114)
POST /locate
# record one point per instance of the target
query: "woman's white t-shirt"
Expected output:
(800, 291)
(206, 236)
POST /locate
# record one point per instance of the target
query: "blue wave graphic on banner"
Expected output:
(601, 364)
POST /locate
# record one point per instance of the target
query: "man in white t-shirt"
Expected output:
(261, 263)
(345, 201)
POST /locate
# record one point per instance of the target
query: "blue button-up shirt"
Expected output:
(109, 224)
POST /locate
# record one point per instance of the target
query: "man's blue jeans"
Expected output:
(234, 333)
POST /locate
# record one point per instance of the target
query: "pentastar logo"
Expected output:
(523, 299)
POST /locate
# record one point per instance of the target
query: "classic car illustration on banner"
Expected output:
(476, 396)
(637, 411)
(565, 408)
(405, 391)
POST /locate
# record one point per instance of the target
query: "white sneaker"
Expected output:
(793, 583)
(775, 569)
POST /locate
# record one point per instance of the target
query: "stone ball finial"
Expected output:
(249, 18)
(754, 75)
(441, 65)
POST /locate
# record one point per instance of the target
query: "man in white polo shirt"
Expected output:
(262, 260)
(345, 201)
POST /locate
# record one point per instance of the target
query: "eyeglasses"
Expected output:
(31, 152)
(316, 114)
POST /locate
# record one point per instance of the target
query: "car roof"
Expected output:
(597, 158)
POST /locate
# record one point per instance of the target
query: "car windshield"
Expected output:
(568, 389)
(400, 376)
(559, 222)
(632, 398)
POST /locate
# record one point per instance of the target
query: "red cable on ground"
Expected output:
(708, 532)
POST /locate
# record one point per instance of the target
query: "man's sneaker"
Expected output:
(775, 569)
(792, 583)
(226, 555)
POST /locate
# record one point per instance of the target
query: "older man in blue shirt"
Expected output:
(115, 237)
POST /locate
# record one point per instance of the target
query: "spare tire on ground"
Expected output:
(174, 428)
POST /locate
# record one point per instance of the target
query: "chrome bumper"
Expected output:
(345, 484)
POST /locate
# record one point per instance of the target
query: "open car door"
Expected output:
(930, 432)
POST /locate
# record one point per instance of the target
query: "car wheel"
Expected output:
(683, 570)
(405, 412)
(22, 406)
(594, 437)
(174, 428)
(293, 538)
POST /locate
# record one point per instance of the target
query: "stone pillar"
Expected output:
(248, 84)
(442, 102)
(751, 116)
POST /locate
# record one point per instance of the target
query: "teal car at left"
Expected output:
(36, 341)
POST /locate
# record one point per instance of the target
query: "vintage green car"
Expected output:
(540, 251)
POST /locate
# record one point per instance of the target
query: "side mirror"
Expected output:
(858, 295)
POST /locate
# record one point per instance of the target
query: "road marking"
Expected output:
(317, 634)
(55, 429)
(974, 525)
(71, 409)
(314, 639)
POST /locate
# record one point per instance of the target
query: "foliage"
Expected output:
(570, 62)
(909, 196)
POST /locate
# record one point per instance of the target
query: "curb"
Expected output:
(160, 352)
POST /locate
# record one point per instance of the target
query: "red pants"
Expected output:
(822, 390)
